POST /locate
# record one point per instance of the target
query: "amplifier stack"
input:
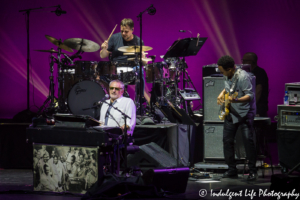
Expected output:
(288, 128)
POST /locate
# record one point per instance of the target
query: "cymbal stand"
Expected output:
(61, 78)
(51, 91)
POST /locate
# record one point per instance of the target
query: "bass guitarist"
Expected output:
(241, 113)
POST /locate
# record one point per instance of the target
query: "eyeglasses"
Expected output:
(116, 88)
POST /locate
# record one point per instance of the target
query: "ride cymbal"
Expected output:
(130, 49)
(86, 45)
(58, 43)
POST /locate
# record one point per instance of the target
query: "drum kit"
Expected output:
(81, 84)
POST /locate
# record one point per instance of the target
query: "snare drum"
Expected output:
(125, 66)
(85, 70)
(159, 73)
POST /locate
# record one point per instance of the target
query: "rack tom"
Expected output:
(157, 72)
(85, 70)
(106, 68)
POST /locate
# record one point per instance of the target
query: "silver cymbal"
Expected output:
(143, 59)
(130, 49)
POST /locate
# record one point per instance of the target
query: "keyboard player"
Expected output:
(111, 117)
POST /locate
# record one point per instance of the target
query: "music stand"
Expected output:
(185, 47)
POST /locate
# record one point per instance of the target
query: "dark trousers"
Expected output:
(229, 133)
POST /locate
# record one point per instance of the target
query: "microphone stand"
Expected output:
(27, 12)
(125, 132)
(141, 62)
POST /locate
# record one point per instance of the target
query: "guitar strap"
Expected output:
(235, 77)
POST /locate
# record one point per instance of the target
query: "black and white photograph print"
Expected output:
(64, 168)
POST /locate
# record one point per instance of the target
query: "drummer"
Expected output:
(123, 38)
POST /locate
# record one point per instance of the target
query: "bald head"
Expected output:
(250, 58)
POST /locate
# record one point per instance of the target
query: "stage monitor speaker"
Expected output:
(288, 142)
(213, 142)
(171, 180)
(151, 156)
(212, 87)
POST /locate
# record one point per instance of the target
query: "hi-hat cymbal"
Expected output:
(86, 45)
(58, 43)
(50, 51)
(130, 49)
(143, 59)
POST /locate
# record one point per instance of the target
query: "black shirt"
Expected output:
(262, 79)
(117, 41)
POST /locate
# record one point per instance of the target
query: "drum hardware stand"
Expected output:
(61, 90)
(51, 95)
(61, 77)
(187, 105)
(152, 110)
(189, 80)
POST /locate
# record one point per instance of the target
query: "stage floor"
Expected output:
(18, 180)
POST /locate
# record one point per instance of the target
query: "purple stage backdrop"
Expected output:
(233, 27)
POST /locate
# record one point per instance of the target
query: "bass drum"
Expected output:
(84, 95)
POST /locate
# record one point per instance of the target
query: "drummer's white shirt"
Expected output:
(124, 104)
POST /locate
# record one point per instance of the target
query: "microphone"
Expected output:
(104, 98)
(183, 31)
(151, 10)
(59, 11)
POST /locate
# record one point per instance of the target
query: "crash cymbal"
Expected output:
(130, 49)
(143, 59)
(131, 53)
(50, 51)
(58, 43)
(86, 45)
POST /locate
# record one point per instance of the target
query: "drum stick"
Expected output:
(112, 32)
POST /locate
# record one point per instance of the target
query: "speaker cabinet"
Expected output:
(212, 87)
(151, 156)
(288, 142)
(213, 142)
